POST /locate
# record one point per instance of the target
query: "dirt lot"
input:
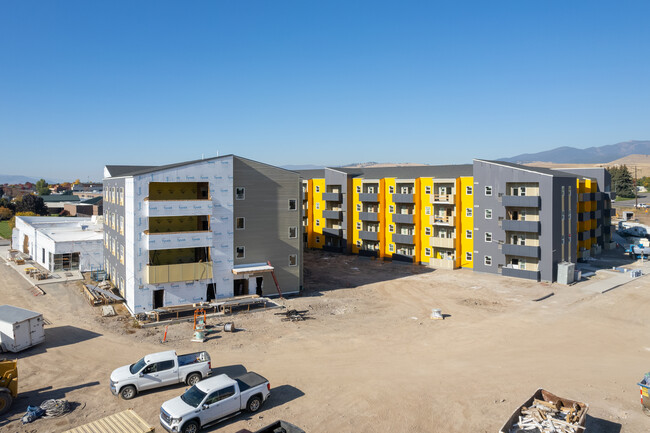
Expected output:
(369, 358)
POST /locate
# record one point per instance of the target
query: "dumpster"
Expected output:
(645, 393)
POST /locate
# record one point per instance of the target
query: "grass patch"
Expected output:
(5, 231)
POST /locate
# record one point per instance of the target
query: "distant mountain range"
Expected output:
(16, 179)
(591, 155)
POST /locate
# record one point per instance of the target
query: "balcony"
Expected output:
(369, 216)
(333, 232)
(443, 263)
(403, 239)
(368, 236)
(179, 272)
(402, 198)
(443, 198)
(520, 273)
(159, 208)
(438, 220)
(442, 242)
(521, 250)
(520, 226)
(587, 196)
(520, 201)
(366, 196)
(333, 196)
(403, 218)
(333, 214)
(598, 214)
(169, 240)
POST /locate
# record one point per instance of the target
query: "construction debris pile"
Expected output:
(547, 417)
(293, 315)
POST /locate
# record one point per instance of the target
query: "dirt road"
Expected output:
(369, 358)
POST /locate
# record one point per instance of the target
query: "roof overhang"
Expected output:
(252, 269)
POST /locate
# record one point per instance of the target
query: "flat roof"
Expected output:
(398, 172)
(533, 169)
(66, 229)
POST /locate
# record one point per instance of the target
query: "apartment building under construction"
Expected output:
(491, 216)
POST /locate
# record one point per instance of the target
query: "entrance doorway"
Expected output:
(158, 298)
(240, 288)
(259, 282)
(211, 292)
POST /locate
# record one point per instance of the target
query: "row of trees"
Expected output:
(29, 204)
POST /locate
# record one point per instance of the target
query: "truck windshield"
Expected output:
(193, 396)
(134, 368)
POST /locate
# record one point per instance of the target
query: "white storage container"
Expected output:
(19, 328)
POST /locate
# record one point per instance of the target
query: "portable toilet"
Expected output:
(19, 328)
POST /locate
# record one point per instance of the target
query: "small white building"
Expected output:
(59, 243)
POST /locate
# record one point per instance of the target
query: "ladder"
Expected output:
(275, 280)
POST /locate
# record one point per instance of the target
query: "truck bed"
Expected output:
(542, 394)
(249, 380)
(193, 358)
(277, 427)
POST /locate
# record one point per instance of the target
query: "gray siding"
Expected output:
(268, 218)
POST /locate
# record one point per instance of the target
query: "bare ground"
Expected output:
(368, 358)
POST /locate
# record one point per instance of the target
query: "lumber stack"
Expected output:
(548, 417)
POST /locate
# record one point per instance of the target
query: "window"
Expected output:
(122, 254)
(293, 260)
(391, 228)
(468, 211)
(240, 252)
(391, 189)
(487, 260)
(427, 210)
(427, 190)
(522, 191)
(293, 232)
(121, 225)
(488, 237)
(165, 365)
(358, 188)
(292, 204)
(358, 225)
(240, 223)
(391, 247)
(427, 231)
(317, 223)
(427, 252)
(358, 207)
(468, 234)
(391, 209)
(240, 193)
(317, 188)
(488, 214)
(318, 239)
(468, 190)
(468, 256)
(488, 190)
(317, 205)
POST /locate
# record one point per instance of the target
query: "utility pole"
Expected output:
(636, 199)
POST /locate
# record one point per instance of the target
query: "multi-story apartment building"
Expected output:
(201, 230)
(490, 216)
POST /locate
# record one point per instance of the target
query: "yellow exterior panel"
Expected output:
(463, 201)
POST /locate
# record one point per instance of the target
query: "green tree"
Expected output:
(8, 204)
(31, 203)
(622, 181)
(5, 213)
(12, 221)
(42, 187)
(644, 181)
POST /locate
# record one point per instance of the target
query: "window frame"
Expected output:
(295, 259)
(468, 256)
(296, 232)
(243, 252)
(243, 219)
(488, 212)
(488, 190)
(241, 196)
(487, 260)
(469, 212)
(488, 234)
(295, 204)
(469, 234)
(469, 190)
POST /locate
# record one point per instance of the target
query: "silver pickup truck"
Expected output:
(160, 369)
(213, 400)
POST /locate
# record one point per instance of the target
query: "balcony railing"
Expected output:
(442, 242)
(178, 272)
(333, 196)
(333, 214)
(403, 239)
(520, 201)
(368, 236)
(369, 216)
(520, 226)
(521, 250)
(403, 198)
(403, 218)
(443, 263)
(520, 273)
(333, 232)
(370, 197)
(443, 198)
(438, 220)
(168, 240)
(178, 207)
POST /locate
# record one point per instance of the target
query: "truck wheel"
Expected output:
(254, 404)
(193, 378)
(5, 401)
(128, 392)
(190, 427)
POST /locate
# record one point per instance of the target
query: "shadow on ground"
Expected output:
(59, 336)
(38, 396)
(598, 425)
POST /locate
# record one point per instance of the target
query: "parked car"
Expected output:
(160, 369)
(213, 400)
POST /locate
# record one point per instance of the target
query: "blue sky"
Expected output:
(84, 84)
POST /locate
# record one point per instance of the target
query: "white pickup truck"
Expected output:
(160, 369)
(213, 400)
